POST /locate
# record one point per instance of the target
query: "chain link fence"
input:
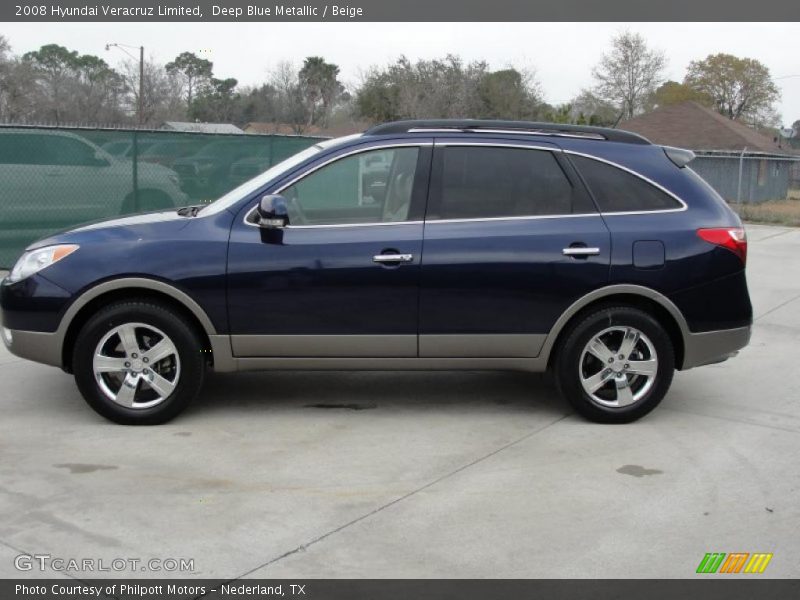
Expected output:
(53, 178)
(745, 178)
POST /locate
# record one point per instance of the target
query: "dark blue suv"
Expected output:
(446, 244)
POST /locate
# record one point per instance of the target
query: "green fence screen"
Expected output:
(55, 178)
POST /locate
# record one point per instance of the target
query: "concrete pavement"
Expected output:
(421, 474)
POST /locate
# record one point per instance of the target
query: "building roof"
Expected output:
(313, 130)
(201, 127)
(691, 125)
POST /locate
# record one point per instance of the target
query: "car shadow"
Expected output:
(457, 391)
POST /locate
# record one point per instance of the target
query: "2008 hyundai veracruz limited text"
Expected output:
(417, 245)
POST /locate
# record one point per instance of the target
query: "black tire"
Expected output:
(186, 365)
(572, 366)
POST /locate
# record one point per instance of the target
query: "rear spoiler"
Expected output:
(680, 156)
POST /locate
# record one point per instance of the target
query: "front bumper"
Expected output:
(38, 346)
(711, 347)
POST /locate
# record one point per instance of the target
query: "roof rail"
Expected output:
(506, 127)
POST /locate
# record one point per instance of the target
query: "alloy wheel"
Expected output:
(618, 366)
(136, 365)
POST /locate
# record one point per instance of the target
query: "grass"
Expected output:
(774, 212)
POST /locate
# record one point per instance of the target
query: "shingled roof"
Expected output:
(691, 125)
(201, 127)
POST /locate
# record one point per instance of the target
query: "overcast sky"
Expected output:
(562, 54)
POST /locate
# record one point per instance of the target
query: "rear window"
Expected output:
(616, 190)
(489, 182)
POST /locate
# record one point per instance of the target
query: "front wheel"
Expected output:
(138, 363)
(615, 365)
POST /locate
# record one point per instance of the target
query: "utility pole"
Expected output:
(139, 120)
(140, 103)
(141, 86)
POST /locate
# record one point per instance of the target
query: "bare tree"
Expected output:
(162, 98)
(628, 74)
(291, 107)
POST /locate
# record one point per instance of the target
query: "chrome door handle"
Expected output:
(580, 251)
(391, 258)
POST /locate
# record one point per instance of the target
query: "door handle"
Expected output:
(392, 258)
(580, 251)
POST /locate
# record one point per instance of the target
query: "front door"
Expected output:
(511, 240)
(342, 279)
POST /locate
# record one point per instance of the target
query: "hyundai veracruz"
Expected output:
(444, 244)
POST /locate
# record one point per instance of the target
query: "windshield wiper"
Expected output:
(190, 211)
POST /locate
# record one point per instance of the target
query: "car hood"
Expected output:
(139, 225)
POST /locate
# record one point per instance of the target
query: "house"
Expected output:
(189, 127)
(741, 163)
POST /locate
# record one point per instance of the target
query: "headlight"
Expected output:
(36, 260)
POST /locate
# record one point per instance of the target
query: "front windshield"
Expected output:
(248, 187)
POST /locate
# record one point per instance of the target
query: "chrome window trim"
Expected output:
(444, 144)
(523, 218)
(554, 149)
(335, 225)
(683, 205)
(409, 144)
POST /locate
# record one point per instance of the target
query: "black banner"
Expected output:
(713, 587)
(398, 10)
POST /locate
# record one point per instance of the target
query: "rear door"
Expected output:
(511, 240)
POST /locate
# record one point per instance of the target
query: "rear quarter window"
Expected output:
(616, 190)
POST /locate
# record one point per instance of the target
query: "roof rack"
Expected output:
(507, 127)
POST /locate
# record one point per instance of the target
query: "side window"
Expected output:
(369, 187)
(619, 191)
(484, 182)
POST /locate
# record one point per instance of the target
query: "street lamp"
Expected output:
(140, 103)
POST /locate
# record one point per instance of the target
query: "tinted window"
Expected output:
(370, 187)
(619, 191)
(485, 182)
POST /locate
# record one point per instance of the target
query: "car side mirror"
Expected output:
(272, 212)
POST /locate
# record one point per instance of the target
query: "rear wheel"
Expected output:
(615, 365)
(138, 363)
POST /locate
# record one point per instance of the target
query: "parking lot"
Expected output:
(471, 474)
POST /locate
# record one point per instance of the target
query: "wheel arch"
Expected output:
(81, 310)
(647, 299)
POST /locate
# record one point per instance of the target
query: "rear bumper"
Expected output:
(711, 347)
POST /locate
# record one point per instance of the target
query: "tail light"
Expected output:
(732, 238)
